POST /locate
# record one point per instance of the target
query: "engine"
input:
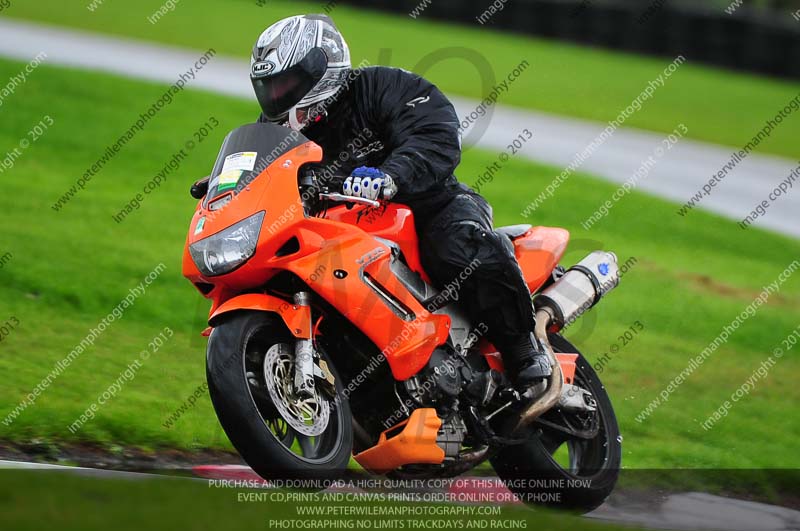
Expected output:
(439, 383)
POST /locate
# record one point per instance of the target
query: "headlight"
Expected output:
(228, 249)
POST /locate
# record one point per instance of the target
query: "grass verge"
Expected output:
(70, 268)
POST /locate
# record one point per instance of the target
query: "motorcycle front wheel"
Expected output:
(560, 470)
(250, 370)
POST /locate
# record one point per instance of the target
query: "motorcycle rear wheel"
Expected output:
(538, 472)
(236, 368)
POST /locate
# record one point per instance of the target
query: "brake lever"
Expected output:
(350, 199)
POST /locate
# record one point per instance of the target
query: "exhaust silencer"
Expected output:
(581, 287)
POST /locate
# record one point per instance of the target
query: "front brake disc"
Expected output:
(307, 415)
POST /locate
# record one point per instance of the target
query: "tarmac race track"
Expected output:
(691, 511)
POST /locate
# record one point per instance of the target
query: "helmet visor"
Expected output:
(277, 93)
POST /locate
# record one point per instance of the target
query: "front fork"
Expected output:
(308, 366)
(304, 353)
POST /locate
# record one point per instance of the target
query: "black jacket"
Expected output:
(397, 121)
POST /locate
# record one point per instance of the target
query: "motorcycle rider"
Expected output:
(302, 77)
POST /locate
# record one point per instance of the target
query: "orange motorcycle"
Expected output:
(327, 339)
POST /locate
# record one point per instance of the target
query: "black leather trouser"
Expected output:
(464, 256)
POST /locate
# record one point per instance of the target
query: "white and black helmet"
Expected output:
(298, 63)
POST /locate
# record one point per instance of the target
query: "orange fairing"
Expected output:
(297, 318)
(538, 253)
(340, 262)
(415, 443)
(368, 294)
(274, 191)
(391, 221)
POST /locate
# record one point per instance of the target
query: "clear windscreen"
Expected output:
(246, 152)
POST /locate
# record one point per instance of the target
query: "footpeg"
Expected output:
(484, 387)
(574, 398)
(534, 391)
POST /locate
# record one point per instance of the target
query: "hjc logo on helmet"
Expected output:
(263, 68)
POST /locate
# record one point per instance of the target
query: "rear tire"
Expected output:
(531, 472)
(252, 423)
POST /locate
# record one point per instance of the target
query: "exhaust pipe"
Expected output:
(553, 392)
(581, 287)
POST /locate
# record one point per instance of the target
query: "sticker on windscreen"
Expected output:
(228, 180)
(246, 160)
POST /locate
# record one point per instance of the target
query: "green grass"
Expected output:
(716, 105)
(36, 500)
(70, 268)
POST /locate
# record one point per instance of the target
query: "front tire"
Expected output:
(539, 474)
(239, 350)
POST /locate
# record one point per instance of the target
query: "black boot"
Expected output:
(525, 365)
